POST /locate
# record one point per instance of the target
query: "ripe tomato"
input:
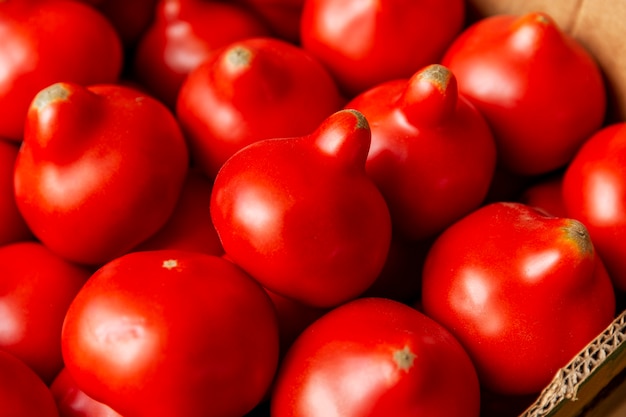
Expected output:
(522, 291)
(422, 134)
(594, 192)
(189, 329)
(99, 171)
(36, 289)
(376, 357)
(300, 214)
(190, 226)
(13, 228)
(48, 41)
(364, 43)
(72, 402)
(253, 89)
(182, 35)
(540, 90)
(22, 392)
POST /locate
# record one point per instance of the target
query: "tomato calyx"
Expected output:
(55, 92)
(239, 56)
(404, 358)
(576, 232)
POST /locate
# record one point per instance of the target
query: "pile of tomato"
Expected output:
(313, 208)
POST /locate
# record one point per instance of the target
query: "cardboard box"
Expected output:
(593, 384)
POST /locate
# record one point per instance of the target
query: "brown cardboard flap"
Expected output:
(599, 25)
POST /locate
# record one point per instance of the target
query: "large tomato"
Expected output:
(594, 192)
(172, 333)
(182, 35)
(100, 169)
(375, 357)
(364, 43)
(522, 291)
(22, 392)
(301, 215)
(48, 41)
(253, 89)
(422, 133)
(540, 90)
(36, 289)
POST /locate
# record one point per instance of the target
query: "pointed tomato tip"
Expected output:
(52, 93)
(437, 75)
(345, 135)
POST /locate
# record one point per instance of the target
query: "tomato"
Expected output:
(594, 192)
(546, 194)
(190, 329)
(182, 35)
(47, 41)
(22, 392)
(366, 43)
(300, 214)
(13, 228)
(422, 132)
(72, 402)
(376, 357)
(523, 292)
(253, 89)
(36, 289)
(190, 226)
(129, 18)
(540, 90)
(100, 169)
(282, 16)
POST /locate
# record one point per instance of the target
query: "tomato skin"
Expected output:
(13, 228)
(190, 226)
(375, 357)
(22, 392)
(547, 195)
(594, 192)
(253, 89)
(522, 291)
(282, 16)
(47, 41)
(72, 402)
(36, 289)
(540, 90)
(190, 329)
(300, 214)
(364, 44)
(182, 35)
(422, 132)
(106, 162)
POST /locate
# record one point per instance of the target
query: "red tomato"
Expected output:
(72, 402)
(189, 329)
(547, 195)
(254, 89)
(376, 357)
(540, 90)
(36, 289)
(300, 214)
(422, 134)
(13, 228)
(130, 18)
(366, 43)
(22, 392)
(283, 16)
(47, 41)
(183, 34)
(100, 169)
(522, 291)
(594, 192)
(190, 226)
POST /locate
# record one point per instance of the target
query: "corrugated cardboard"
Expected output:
(599, 25)
(593, 384)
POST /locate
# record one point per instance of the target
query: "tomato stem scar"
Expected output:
(404, 358)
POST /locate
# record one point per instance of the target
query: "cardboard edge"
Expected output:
(601, 359)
